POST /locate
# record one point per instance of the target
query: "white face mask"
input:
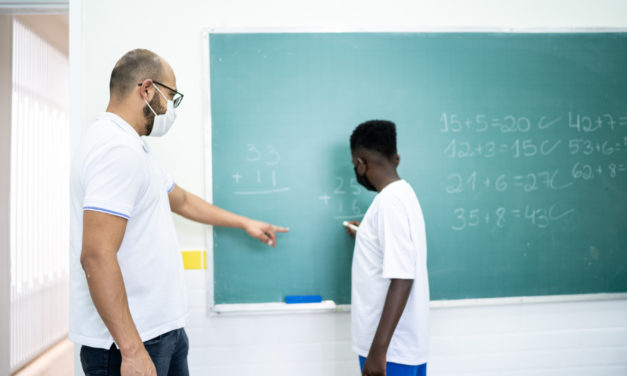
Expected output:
(163, 122)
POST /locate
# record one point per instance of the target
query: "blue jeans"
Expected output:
(395, 369)
(168, 352)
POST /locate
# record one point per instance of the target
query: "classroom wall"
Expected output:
(573, 338)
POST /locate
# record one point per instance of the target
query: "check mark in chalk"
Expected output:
(350, 225)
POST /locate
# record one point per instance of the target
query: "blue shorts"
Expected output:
(395, 369)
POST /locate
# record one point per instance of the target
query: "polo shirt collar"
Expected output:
(122, 124)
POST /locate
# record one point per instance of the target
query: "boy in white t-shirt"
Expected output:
(390, 287)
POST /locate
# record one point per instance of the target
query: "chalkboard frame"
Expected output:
(326, 306)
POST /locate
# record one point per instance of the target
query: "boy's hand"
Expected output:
(350, 231)
(374, 365)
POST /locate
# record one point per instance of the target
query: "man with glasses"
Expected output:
(127, 293)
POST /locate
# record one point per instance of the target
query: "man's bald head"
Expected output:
(134, 67)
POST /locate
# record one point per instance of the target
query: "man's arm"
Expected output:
(102, 237)
(395, 302)
(195, 208)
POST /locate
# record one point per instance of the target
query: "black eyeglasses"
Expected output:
(178, 97)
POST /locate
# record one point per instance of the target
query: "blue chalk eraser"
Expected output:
(293, 299)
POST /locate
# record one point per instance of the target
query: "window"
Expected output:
(40, 165)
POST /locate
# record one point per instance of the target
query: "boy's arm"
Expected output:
(395, 302)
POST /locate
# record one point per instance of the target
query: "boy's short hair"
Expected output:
(377, 135)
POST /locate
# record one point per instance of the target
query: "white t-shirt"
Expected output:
(114, 172)
(391, 244)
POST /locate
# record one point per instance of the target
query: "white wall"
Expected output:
(545, 339)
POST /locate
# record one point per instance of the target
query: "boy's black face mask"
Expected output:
(363, 180)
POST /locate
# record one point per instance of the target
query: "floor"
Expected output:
(58, 361)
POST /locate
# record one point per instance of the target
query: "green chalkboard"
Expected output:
(516, 145)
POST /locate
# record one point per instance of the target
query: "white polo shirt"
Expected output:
(391, 243)
(114, 172)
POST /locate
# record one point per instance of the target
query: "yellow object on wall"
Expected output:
(194, 260)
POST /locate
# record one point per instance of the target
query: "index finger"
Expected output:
(280, 229)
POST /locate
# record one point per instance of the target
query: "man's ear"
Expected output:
(397, 160)
(143, 89)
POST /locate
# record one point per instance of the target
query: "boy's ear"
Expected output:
(397, 160)
(361, 166)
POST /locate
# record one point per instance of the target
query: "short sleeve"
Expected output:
(113, 181)
(169, 181)
(399, 250)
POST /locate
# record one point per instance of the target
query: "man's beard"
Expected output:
(149, 116)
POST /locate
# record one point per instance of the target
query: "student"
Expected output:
(390, 288)
(127, 290)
